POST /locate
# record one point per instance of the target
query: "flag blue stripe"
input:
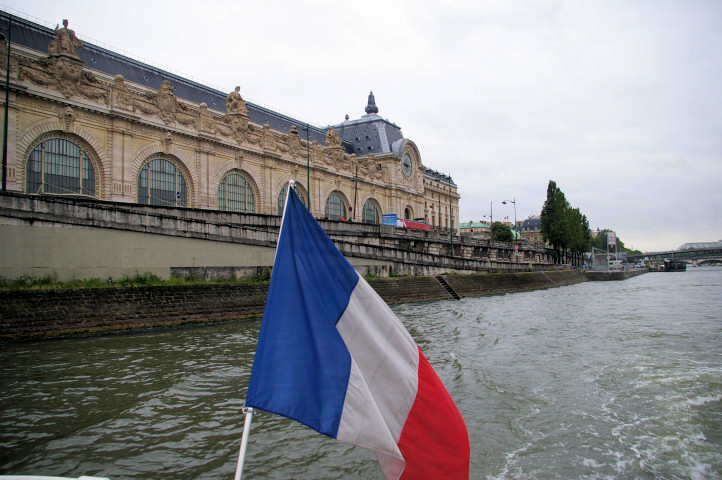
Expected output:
(302, 366)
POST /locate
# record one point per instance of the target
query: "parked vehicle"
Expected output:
(615, 265)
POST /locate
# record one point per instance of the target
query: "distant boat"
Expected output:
(674, 266)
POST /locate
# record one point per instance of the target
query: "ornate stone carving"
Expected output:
(235, 120)
(368, 169)
(66, 118)
(292, 142)
(165, 104)
(3, 54)
(207, 124)
(235, 103)
(121, 96)
(68, 73)
(63, 69)
(238, 125)
(167, 142)
(333, 139)
(65, 42)
(335, 158)
(269, 141)
(254, 136)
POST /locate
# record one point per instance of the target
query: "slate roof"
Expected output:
(370, 134)
(37, 37)
(531, 224)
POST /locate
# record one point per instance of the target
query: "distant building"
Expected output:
(85, 121)
(699, 245)
(474, 229)
(530, 230)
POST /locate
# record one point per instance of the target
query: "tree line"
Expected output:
(566, 229)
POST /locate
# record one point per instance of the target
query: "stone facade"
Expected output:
(122, 126)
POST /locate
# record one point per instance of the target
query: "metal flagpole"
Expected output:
(244, 443)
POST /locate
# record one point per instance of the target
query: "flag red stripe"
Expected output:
(434, 440)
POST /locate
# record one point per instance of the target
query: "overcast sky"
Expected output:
(618, 102)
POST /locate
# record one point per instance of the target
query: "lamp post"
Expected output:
(516, 251)
(514, 202)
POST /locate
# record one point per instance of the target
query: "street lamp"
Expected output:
(514, 202)
(516, 251)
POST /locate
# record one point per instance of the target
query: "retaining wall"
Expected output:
(71, 238)
(606, 275)
(53, 313)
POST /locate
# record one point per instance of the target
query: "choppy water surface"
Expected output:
(596, 380)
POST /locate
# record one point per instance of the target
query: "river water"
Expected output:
(596, 380)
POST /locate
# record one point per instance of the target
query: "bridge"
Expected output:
(694, 253)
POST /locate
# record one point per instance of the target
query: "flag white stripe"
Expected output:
(384, 373)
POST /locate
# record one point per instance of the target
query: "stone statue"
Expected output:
(333, 139)
(65, 42)
(235, 103)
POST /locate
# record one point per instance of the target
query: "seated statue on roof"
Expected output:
(333, 139)
(65, 42)
(235, 103)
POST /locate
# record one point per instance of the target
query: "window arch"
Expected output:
(235, 194)
(407, 213)
(60, 166)
(335, 208)
(370, 212)
(161, 183)
(282, 196)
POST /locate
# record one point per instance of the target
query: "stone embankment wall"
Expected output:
(606, 275)
(71, 238)
(472, 285)
(53, 313)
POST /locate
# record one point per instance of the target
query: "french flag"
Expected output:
(333, 356)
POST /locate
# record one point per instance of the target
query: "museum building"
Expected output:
(84, 121)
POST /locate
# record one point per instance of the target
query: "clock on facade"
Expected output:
(406, 164)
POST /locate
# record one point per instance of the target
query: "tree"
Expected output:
(501, 232)
(553, 219)
(578, 233)
(565, 228)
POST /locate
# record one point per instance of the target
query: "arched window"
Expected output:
(60, 166)
(370, 213)
(282, 196)
(235, 194)
(335, 208)
(407, 213)
(161, 183)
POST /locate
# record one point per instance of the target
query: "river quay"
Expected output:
(606, 275)
(36, 314)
